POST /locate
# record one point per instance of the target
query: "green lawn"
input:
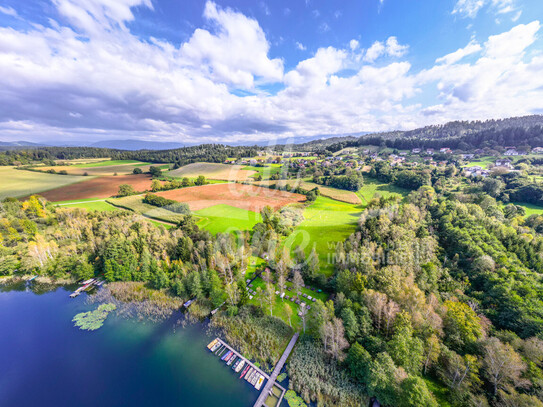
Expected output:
(372, 187)
(326, 223)
(108, 163)
(19, 183)
(225, 218)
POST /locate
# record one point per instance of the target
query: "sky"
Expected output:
(232, 71)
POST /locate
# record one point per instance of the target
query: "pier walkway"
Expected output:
(271, 379)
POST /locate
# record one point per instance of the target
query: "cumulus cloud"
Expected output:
(391, 48)
(91, 78)
(472, 48)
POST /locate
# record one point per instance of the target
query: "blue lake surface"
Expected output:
(46, 361)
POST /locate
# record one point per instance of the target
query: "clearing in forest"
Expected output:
(326, 223)
(241, 196)
(18, 183)
(101, 187)
(224, 172)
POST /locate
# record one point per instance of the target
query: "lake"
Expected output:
(46, 361)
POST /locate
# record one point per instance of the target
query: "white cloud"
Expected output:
(472, 48)
(112, 84)
(470, 8)
(236, 53)
(391, 48)
(353, 44)
(300, 46)
(10, 11)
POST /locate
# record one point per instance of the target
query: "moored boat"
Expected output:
(227, 355)
(245, 371)
(212, 343)
(249, 374)
(216, 346)
(259, 382)
(235, 365)
(240, 365)
(232, 359)
(255, 378)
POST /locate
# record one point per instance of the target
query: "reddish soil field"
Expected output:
(101, 187)
(241, 196)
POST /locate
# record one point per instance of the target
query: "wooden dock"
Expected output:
(271, 379)
(266, 376)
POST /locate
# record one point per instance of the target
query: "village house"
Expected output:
(503, 163)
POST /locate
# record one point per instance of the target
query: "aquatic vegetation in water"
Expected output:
(93, 320)
(293, 399)
(281, 377)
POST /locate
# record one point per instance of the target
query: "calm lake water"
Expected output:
(46, 361)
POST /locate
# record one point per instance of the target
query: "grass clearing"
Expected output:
(373, 186)
(266, 172)
(225, 218)
(326, 223)
(20, 183)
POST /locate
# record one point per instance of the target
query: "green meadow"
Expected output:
(326, 223)
(89, 204)
(108, 163)
(372, 187)
(225, 218)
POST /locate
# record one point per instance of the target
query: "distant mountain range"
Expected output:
(19, 144)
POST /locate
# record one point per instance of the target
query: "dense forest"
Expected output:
(216, 153)
(494, 134)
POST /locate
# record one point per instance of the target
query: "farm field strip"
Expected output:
(213, 171)
(19, 183)
(225, 218)
(372, 187)
(334, 193)
(241, 196)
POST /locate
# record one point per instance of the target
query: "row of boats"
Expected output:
(87, 285)
(238, 363)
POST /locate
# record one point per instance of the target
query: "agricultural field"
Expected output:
(334, 193)
(135, 203)
(88, 204)
(96, 188)
(103, 168)
(372, 187)
(326, 223)
(225, 218)
(213, 171)
(248, 197)
(266, 172)
(19, 183)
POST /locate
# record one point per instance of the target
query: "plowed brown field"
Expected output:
(101, 187)
(241, 196)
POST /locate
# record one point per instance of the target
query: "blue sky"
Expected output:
(240, 71)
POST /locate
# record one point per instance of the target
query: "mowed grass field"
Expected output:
(372, 187)
(20, 183)
(326, 223)
(266, 172)
(225, 218)
(213, 171)
(334, 193)
(104, 168)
